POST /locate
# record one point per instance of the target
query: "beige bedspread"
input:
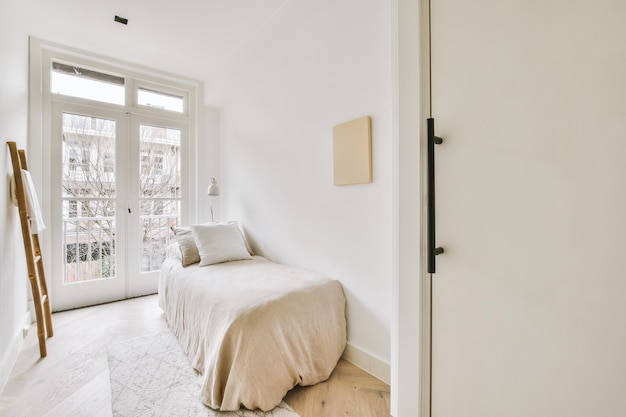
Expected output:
(254, 329)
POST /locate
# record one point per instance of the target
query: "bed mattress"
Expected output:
(254, 329)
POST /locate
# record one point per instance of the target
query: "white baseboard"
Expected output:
(10, 356)
(368, 362)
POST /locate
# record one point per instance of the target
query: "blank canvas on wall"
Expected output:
(352, 151)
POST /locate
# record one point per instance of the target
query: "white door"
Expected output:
(89, 205)
(116, 192)
(529, 298)
(156, 190)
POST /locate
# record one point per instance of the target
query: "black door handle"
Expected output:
(433, 140)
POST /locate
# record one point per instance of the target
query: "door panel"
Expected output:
(528, 296)
(118, 191)
(158, 188)
(88, 189)
(89, 259)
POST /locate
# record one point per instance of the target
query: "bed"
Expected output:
(253, 328)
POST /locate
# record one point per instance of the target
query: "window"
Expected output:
(160, 100)
(118, 172)
(74, 81)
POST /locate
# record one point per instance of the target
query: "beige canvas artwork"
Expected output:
(352, 151)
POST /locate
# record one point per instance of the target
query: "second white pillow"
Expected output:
(219, 242)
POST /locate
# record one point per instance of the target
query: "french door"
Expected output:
(528, 297)
(117, 190)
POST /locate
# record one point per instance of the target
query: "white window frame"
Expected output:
(40, 109)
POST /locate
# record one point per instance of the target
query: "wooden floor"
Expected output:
(60, 385)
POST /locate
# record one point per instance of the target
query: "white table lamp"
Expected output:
(213, 191)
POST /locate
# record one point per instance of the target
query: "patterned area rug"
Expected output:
(151, 377)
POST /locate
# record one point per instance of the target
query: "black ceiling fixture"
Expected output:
(121, 20)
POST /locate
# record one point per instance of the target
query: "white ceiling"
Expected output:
(200, 39)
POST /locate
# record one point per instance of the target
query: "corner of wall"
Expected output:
(368, 362)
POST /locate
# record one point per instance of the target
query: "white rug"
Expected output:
(151, 377)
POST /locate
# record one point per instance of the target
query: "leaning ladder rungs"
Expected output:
(34, 262)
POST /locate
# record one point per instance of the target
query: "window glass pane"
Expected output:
(159, 162)
(157, 217)
(88, 249)
(88, 190)
(79, 82)
(160, 191)
(160, 100)
(88, 156)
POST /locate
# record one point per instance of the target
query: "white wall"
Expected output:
(13, 126)
(309, 69)
(209, 163)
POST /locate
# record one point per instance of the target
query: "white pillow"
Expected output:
(219, 242)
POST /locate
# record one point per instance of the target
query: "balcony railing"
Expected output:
(89, 245)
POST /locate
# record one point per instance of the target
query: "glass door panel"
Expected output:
(159, 191)
(88, 201)
(88, 196)
(157, 218)
(88, 240)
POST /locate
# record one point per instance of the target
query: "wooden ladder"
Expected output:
(34, 259)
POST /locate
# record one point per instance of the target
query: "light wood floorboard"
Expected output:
(60, 385)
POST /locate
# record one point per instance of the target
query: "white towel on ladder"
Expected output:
(34, 210)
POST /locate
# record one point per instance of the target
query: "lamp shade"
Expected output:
(213, 189)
